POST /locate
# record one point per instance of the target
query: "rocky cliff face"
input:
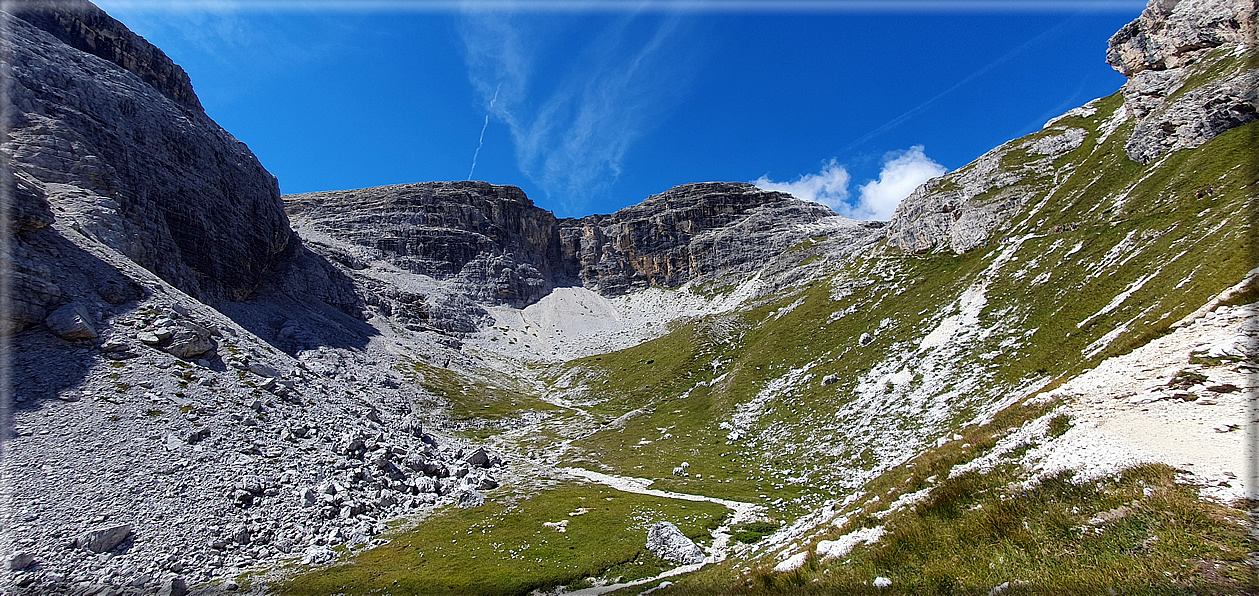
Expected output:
(1172, 33)
(488, 241)
(685, 233)
(491, 244)
(108, 130)
(1192, 76)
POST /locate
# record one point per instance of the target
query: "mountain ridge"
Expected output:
(206, 401)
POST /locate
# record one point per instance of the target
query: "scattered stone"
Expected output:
(71, 322)
(19, 560)
(175, 586)
(666, 541)
(559, 526)
(263, 370)
(469, 498)
(791, 563)
(104, 539)
(478, 458)
(830, 380)
(881, 582)
(197, 435)
(189, 341)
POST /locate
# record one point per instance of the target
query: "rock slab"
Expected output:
(666, 541)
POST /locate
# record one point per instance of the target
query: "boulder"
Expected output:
(478, 458)
(469, 498)
(101, 540)
(19, 560)
(174, 586)
(71, 322)
(666, 541)
(189, 341)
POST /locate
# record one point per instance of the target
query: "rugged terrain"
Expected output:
(1040, 376)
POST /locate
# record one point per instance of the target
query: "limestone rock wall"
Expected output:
(492, 245)
(1170, 33)
(111, 130)
(682, 234)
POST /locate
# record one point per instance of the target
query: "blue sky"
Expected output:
(590, 107)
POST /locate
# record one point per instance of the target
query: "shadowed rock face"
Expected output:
(490, 241)
(111, 130)
(496, 247)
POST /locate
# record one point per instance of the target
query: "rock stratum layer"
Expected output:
(491, 244)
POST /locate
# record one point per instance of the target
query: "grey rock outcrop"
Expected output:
(1171, 33)
(101, 540)
(490, 242)
(686, 233)
(666, 541)
(112, 130)
(429, 254)
(71, 322)
(1163, 49)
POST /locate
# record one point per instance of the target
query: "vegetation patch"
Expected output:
(514, 547)
(471, 398)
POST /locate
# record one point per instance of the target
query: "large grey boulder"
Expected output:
(189, 341)
(104, 539)
(19, 560)
(71, 322)
(666, 541)
(466, 499)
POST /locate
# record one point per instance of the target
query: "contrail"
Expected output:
(481, 142)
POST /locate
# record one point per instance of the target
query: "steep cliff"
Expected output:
(688, 232)
(111, 133)
(489, 243)
(1192, 75)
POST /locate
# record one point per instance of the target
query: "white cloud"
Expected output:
(902, 172)
(828, 187)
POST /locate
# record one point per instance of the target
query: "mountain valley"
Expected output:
(1040, 376)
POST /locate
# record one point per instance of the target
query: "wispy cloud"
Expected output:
(902, 172)
(573, 128)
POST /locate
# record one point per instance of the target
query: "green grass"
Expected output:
(502, 548)
(472, 398)
(1137, 532)
(753, 532)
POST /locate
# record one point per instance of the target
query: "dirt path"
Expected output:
(721, 536)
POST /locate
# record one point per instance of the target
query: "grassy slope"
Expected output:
(1046, 313)
(502, 548)
(1138, 229)
(978, 530)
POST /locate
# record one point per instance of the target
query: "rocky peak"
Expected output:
(1169, 33)
(83, 26)
(489, 240)
(685, 233)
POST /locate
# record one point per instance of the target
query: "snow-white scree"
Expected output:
(1129, 410)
